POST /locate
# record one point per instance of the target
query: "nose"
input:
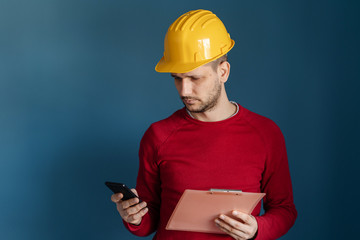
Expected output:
(185, 87)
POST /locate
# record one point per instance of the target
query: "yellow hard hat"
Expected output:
(194, 39)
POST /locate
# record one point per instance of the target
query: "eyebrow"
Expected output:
(193, 76)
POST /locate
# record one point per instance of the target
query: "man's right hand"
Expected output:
(130, 210)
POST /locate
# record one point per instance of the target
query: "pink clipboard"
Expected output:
(196, 210)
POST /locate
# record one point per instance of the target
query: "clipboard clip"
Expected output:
(216, 190)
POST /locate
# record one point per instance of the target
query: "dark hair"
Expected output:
(214, 64)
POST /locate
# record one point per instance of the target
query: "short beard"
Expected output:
(210, 103)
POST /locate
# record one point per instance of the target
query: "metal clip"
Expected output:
(215, 190)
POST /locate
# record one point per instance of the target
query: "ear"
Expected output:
(223, 71)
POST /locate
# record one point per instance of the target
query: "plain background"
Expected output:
(78, 89)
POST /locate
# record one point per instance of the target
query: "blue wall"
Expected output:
(78, 89)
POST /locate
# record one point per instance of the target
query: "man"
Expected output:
(211, 143)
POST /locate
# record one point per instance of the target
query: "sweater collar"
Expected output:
(236, 112)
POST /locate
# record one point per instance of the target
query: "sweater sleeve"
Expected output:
(148, 185)
(280, 212)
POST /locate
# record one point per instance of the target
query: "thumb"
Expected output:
(134, 191)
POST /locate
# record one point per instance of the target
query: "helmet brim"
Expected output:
(176, 67)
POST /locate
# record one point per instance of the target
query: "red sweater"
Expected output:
(246, 151)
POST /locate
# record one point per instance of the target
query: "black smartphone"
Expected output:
(121, 188)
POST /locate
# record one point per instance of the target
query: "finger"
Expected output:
(134, 191)
(235, 236)
(135, 209)
(116, 197)
(231, 234)
(137, 216)
(236, 233)
(246, 218)
(233, 223)
(130, 202)
(250, 222)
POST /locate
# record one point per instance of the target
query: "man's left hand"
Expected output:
(243, 226)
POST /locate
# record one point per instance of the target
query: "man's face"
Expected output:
(199, 89)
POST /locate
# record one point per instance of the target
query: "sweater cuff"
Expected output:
(138, 230)
(132, 227)
(259, 232)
